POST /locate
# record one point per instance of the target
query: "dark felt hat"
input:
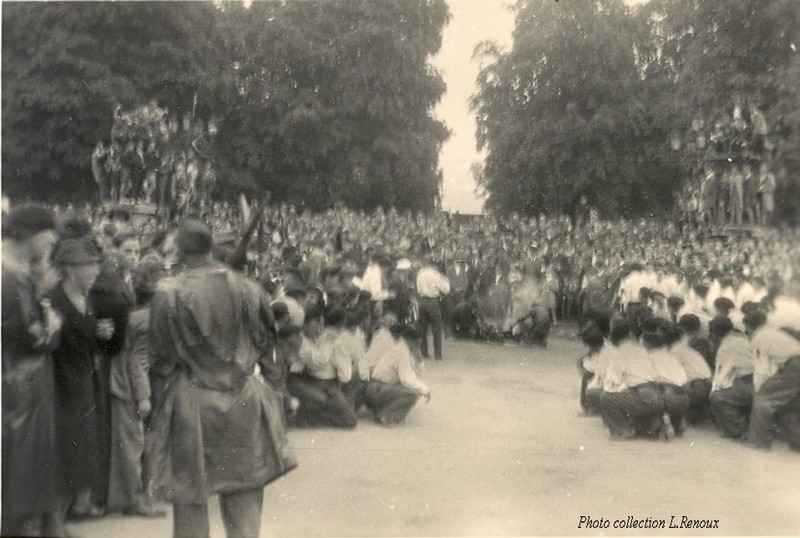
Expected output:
(78, 251)
(194, 237)
(27, 220)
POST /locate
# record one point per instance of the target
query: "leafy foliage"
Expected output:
(316, 100)
(585, 101)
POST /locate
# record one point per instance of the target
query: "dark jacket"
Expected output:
(77, 420)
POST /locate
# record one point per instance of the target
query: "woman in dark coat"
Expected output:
(75, 363)
(29, 329)
(110, 300)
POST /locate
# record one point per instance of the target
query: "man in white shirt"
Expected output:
(630, 297)
(395, 385)
(352, 346)
(374, 282)
(315, 379)
(431, 284)
(671, 378)
(776, 380)
(631, 402)
(380, 344)
(698, 374)
(731, 397)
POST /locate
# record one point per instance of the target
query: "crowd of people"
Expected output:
(144, 364)
(731, 194)
(649, 375)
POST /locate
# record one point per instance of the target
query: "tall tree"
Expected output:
(337, 99)
(586, 100)
(316, 100)
(65, 68)
(562, 116)
(710, 55)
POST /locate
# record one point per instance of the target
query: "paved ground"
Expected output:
(500, 450)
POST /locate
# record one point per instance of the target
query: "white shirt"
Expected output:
(599, 366)
(348, 347)
(734, 359)
(669, 285)
(430, 282)
(630, 286)
(317, 357)
(772, 348)
(628, 366)
(372, 281)
(397, 366)
(747, 293)
(667, 366)
(692, 362)
(714, 292)
(381, 342)
(786, 313)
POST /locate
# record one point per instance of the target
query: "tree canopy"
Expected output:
(315, 100)
(585, 101)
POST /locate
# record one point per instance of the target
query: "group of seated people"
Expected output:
(328, 374)
(650, 376)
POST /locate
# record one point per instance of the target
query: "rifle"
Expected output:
(238, 259)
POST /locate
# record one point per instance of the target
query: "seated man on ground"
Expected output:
(316, 377)
(698, 374)
(731, 397)
(351, 345)
(395, 385)
(690, 325)
(671, 378)
(776, 380)
(382, 341)
(631, 402)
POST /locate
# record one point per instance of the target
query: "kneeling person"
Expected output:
(394, 386)
(731, 395)
(631, 402)
(315, 379)
(671, 378)
(776, 379)
(698, 374)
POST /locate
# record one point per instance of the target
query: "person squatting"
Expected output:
(651, 372)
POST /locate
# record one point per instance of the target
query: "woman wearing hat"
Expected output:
(29, 329)
(76, 383)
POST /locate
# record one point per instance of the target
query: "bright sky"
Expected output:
(471, 22)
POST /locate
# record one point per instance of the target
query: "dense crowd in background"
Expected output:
(335, 310)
